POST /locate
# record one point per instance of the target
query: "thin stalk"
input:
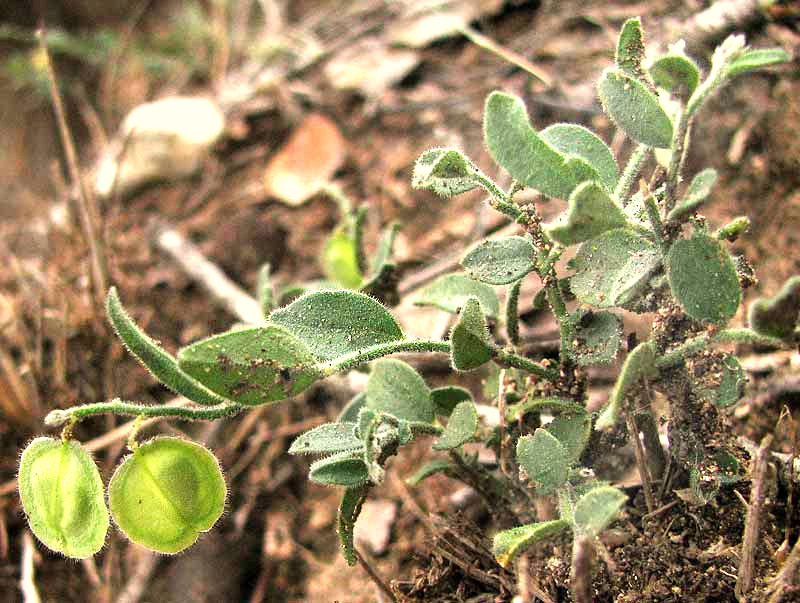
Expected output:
(655, 221)
(118, 407)
(504, 358)
(701, 342)
(581, 571)
(676, 160)
(512, 313)
(356, 359)
(630, 173)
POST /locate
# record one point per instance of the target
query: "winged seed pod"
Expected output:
(62, 495)
(167, 492)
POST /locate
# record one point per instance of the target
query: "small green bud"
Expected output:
(167, 492)
(62, 495)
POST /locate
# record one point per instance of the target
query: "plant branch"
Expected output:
(700, 343)
(351, 361)
(630, 173)
(118, 407)
(676, 160)
(504, 358)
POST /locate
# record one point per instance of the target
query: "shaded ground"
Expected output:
(277, 541)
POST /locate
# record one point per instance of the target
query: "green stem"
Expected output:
(504, 358)
(512, 312)
(655, 221)
(637, 364)
(701, 342)
(677, 158)
(118, 407)
(356, 359)
(630, 173)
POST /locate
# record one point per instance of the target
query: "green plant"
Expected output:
(646, 251)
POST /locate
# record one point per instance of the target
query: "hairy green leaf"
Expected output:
(334, 324)
(470, 347)
(544, 460)
(349, 413)
(676, 73)
(340, 260)
(341, 469)
(166, 493)
(634, 109)
(349, 510)
(251, 366)
(461, 427)
(591, 212)
(574, 140)
(639, 363)
(326, 439)
(161, 365)
(451, 291)
(397, 389)
(446, 398)
(62, 496)
(756, 58)
(515, 412)
(572, 431)
(446, 172)
(596, 509)
(696, 194)
(431, 468)
(593, 337)
(778, 316)
(703, 278)
(614, 268)
(631, 49)
(500, 261)
(516, 146)
(510, 544)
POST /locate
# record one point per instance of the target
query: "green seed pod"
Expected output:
(62, 495)
(167, 492)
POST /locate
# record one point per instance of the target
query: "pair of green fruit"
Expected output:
(161, 496)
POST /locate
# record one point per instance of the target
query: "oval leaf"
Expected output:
(349, 510)
(510, 544)
(161, 365)
(676, 73)
(167, 492)
(516, 146)
(575, 140)
(342, 469)
(334, 324)
(544, 460)
(596, 509)
(340, 260)
(500, 261)
(634, 109)
(469, 338)
(62, 496)
(703, 279)
(251, 366)
(572, 432)
(326, 439)
(350, 412)
(591, 212)
(451, 291)
(756, 58)
(397, 389)
(630, 48)
(460, 428)
(446, 398)
(446, 172)
(593, 337)
(777, 316)
(614, 268)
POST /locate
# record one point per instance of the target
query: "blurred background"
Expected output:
(277, 108)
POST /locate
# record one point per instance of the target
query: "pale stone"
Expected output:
(167, 139)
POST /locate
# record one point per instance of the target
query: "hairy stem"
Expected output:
(676, 160)
(356, 359)
(630, 173)
(118, 407)
(512, 313)
(504, 358)
(701, 342)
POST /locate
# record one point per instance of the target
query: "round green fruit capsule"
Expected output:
(62, 495)
(167, 492)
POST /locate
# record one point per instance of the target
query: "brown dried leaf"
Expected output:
(307, 162)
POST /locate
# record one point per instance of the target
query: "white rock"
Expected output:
(164, 140)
